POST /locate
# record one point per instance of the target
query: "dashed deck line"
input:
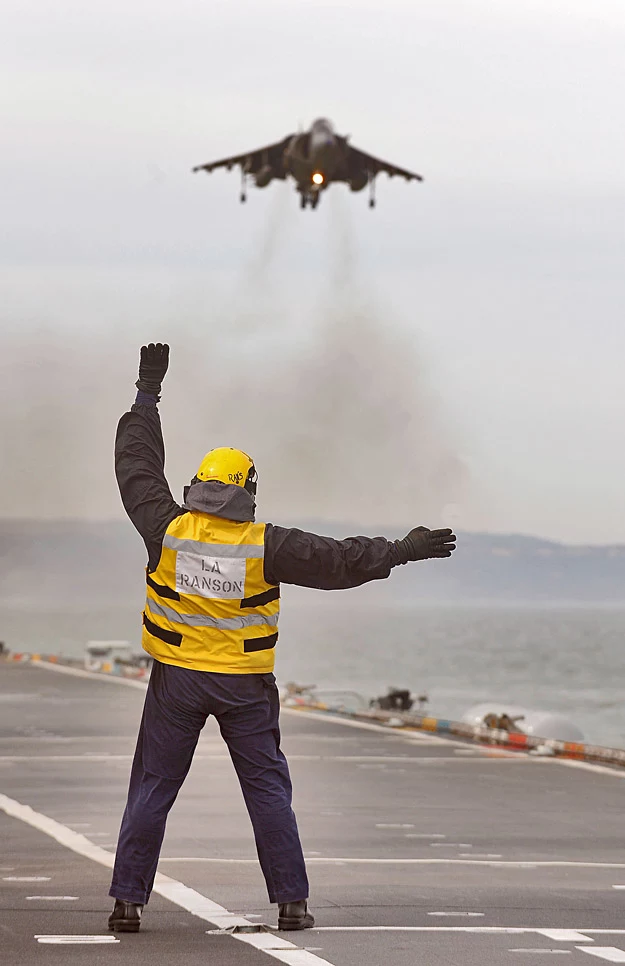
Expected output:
(53, 898)
(55, 940)
(542, 952)
(26, 878)
(467, 914)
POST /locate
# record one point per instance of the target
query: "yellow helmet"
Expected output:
(228, 465)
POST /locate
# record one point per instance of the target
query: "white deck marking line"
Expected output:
(55, 898)
(98, 758)
(491, 863)
(425, 835)
(401, 759)
(609, 953)
(543, 952)
(468, 914)
(479, 855)
(65, 740)
(394, 825)
(281, 949)
(75, 940)
(618, 886)
(293, 957)
(261, 940)
(26, 878)
(452, 845)
(177, 892)
(565, 935)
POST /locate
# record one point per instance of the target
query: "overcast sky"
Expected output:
(456, 354)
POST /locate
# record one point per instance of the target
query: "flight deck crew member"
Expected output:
(211, 624)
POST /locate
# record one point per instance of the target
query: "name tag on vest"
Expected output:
(210, 576)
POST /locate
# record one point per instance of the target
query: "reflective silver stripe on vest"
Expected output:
(213, 549)
(203, 620)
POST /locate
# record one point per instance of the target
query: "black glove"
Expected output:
(152, 368)
(422, 544)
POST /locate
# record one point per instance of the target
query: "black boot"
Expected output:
(125, 917)
(294, 915)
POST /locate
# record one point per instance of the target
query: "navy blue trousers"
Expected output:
(177, 704)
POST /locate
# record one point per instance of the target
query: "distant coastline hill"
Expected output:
(71, 563)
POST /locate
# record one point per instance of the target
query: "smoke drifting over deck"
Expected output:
(328, 393)
(325, 390)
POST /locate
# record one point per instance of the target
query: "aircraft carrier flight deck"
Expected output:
(420, 849)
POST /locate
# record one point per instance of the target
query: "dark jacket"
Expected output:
(291, 556)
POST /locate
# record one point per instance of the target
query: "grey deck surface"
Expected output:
(475, 825)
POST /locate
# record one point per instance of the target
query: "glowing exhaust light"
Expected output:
(317, 178)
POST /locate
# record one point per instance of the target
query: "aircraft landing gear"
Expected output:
(303, 201)
(243, 195)
(372, 191)
(314, 201)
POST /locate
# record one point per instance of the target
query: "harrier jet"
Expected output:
(314, 159)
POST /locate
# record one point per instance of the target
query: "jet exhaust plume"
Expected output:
(332, 400)
(325, 390)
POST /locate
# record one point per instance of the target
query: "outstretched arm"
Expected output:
(296, 557)
(140, 457)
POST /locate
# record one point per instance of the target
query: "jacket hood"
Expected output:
(225, 500)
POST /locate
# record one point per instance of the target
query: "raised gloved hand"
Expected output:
(152, 367)
(422, 544)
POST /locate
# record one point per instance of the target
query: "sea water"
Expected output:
(556, 657)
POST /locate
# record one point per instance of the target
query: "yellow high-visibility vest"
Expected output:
(208, 605)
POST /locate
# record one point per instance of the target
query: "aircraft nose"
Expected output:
(323, 138)
(323, 147)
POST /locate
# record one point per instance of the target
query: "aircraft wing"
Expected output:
(374, 166)
(252, 161)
